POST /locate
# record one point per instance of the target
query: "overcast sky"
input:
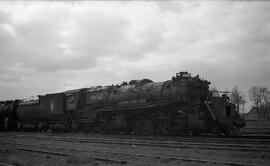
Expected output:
(50, 47)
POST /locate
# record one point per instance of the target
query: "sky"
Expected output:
(48, 47)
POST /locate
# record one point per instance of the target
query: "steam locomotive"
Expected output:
(180, 106)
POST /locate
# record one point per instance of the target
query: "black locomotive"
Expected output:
(180, 106)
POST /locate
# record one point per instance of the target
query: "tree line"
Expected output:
(260, 96)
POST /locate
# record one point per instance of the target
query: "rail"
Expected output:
(23, 147)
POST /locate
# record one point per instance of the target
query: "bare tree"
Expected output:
(265, 95)
(255, 98)
(260, 97)
(237, 98)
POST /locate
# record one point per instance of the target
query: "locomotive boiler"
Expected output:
(180, 106)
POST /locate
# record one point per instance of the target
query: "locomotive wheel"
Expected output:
(196, 132)
(216, 130)
(162, 129)
(43, 126)
(173, 129)
(74, 126)
(97, 128)
(148, 127)
(176, 129)
(136, 125)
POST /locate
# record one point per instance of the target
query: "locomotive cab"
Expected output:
(228, 119)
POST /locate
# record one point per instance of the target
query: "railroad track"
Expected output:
(167, 144)
(251, 139)
(64, 151)
(247, 140)
(257, 130)
(6, 164)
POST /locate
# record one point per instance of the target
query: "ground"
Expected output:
(11, 155)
